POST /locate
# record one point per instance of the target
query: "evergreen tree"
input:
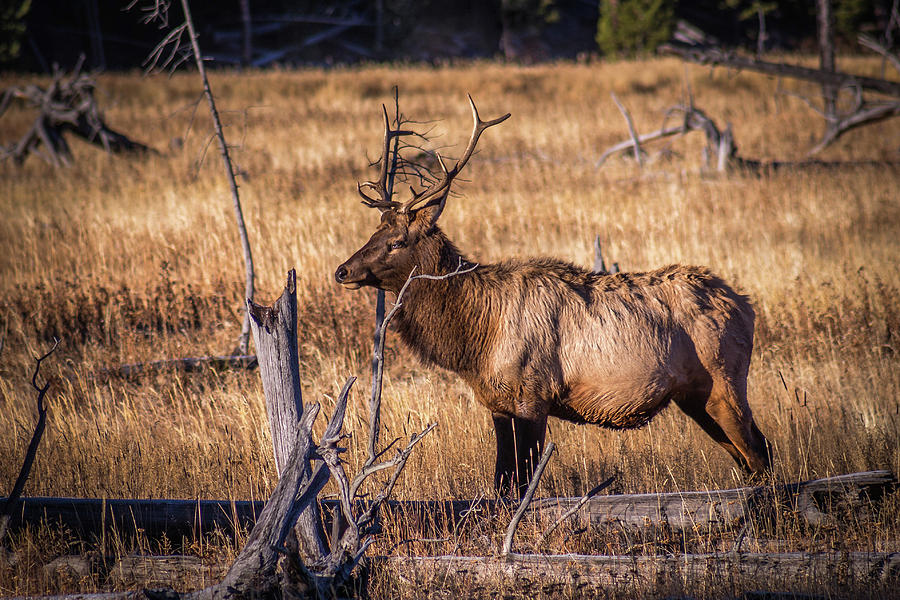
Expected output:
(12, 27)
(629, 27)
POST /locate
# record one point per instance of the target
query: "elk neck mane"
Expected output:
(446, 322)
(453, 322)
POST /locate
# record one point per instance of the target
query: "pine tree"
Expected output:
(629, 27)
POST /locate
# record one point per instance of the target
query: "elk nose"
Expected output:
(341, 274)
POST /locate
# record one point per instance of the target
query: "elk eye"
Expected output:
(397, 245)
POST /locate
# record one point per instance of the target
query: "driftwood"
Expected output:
(811, 501)
(693, 45)
(549, 574)
(720, 147)
(546, 574)
(66, 106)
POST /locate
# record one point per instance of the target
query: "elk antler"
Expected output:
(437, 193)
(383, 202)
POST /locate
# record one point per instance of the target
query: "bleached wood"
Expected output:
(535, 573)
(697, 510)
(274, 332)
(548, 574)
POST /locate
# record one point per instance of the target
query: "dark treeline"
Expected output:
(34, 34)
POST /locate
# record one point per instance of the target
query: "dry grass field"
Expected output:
(137, 259)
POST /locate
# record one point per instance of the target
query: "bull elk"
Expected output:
(540, 337)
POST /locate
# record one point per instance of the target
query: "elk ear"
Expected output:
(428, 215)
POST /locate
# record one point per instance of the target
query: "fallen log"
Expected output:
(554, 573)
(177, 571)
(139, 571)
(811, 501)
(184, 365)
(719, 57)
(551, 574)
(693, 45)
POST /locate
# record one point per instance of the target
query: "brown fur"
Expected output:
(540, 337)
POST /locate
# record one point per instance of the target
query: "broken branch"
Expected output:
(31, 452)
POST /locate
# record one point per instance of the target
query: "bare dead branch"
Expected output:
(647, 137)
(173, 41)
(859, 118)
(867, 41)
(31, 451)
(157, 10)
(378, 353)
(635, 141)
(599, 263)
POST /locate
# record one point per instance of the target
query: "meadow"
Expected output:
(136, 259)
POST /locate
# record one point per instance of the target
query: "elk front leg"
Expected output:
(520, 443)
(505, 467)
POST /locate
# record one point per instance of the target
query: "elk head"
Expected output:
(401, 241)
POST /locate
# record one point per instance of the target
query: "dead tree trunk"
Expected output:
(275, 337)
(170, 54)
(247, 37)
(705, 55)
(826, 58)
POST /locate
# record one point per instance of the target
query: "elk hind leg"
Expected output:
(695, 408)
(728, 406)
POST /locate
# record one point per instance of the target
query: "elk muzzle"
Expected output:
(341, 276)
(353, 277)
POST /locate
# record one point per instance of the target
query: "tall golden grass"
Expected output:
(129, 260)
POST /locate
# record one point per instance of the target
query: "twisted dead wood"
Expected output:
(694, 46)
(66, 106)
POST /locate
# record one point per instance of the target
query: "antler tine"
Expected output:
(442, 188)
(383, 202)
